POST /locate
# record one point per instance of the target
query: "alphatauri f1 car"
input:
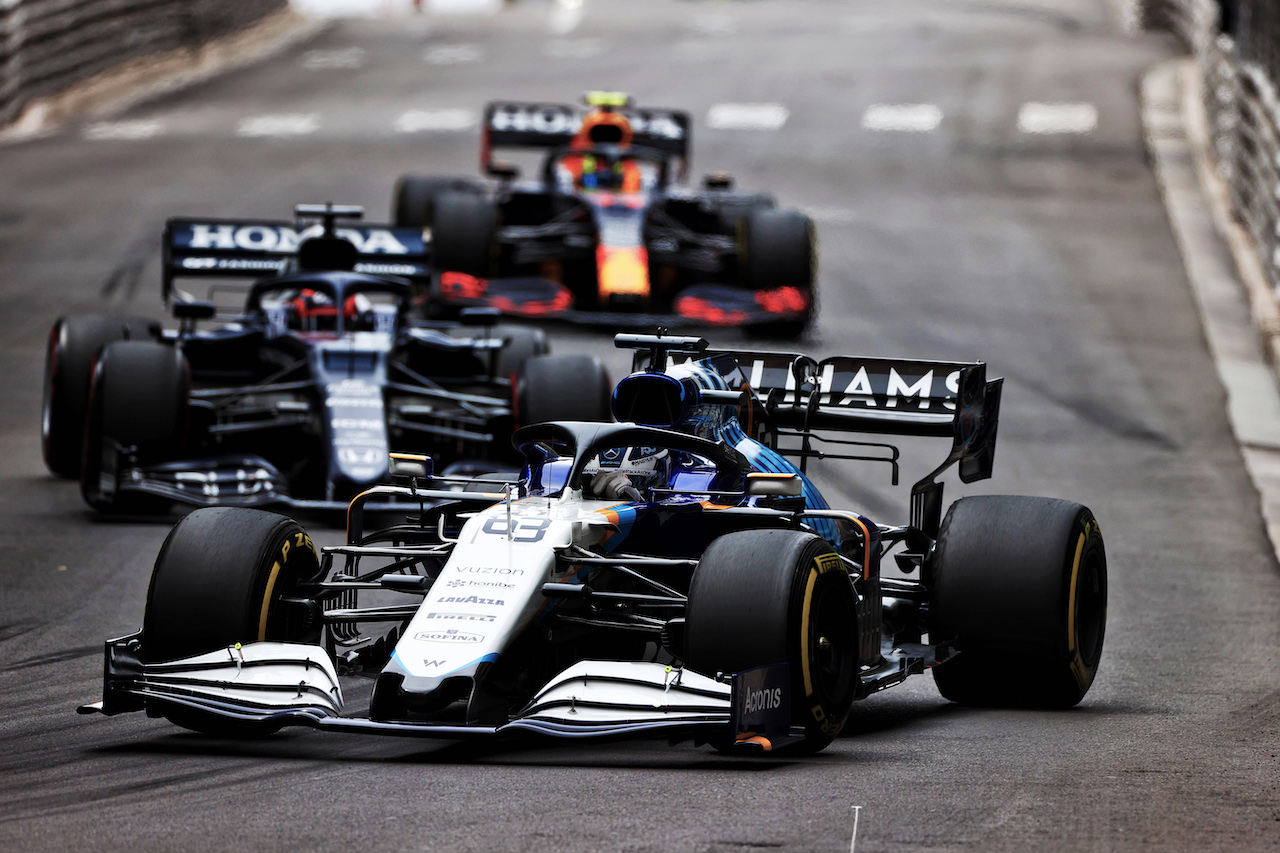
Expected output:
(606, 233)
(672, 575)
(297, 396)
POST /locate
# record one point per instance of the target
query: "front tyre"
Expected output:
(1020, 585)
(225, 575)
(139, 399)
(761, 597)
(778, 253)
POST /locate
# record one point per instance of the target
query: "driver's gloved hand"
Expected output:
(614, 486)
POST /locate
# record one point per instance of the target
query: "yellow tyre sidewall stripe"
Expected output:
(1073, 642)
(822, 563)
(266, 601)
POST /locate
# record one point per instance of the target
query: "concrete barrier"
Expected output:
(47, 46)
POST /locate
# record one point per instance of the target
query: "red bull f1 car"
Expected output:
(674, 575)
(297, 394)
(606, 233)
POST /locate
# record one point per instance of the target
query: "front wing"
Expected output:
(271, 685)
(218, 480)
(699, 305)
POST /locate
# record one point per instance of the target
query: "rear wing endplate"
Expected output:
(253, 248)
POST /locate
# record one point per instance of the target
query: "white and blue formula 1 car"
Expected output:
(671, 575)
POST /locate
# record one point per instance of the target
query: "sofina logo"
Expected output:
(448, 636)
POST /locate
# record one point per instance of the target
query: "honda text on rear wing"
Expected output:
(254, 248)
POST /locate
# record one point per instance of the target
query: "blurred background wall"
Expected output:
(48, 45)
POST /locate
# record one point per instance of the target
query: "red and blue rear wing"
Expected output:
(514, 124)
(253, 248)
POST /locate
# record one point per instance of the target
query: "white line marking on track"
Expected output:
(452, 54)
(418, 121)
(574, 48)
(1057, 118)
(284, 124)
(351, 8)
(465, 7)
(747, 116)
(137, 129)
(323, 60)
(902, 118)
(566, 15)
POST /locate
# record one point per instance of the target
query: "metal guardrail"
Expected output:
(48, 45)
(1237, 49)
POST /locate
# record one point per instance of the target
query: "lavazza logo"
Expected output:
(763, 700)
(471, 599)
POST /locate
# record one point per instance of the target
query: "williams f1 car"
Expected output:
(672, 575)
(606, 233)
(298, 394)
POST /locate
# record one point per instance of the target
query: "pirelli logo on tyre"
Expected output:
(298, 540)
(830, 561)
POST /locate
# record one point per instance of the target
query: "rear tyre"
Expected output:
(761, 597)
(778, 248)
(74, 343)
(219, 580)
(563, 388)
(732, 208)
(1020, 585)
(463, 233)
(138, 398)
(413, 200)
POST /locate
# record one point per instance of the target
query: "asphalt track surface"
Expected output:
(1047, 255)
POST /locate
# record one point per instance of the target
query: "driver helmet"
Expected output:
(603, 127)
(705, 420)
(312, 310)
(639, 466)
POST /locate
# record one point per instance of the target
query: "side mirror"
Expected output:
(411, 466)
(503, 171)
(194, 310)
(762, 485)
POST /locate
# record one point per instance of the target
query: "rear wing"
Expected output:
(882, 396)
(253, 248)
(886, 396)
(515, 124)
